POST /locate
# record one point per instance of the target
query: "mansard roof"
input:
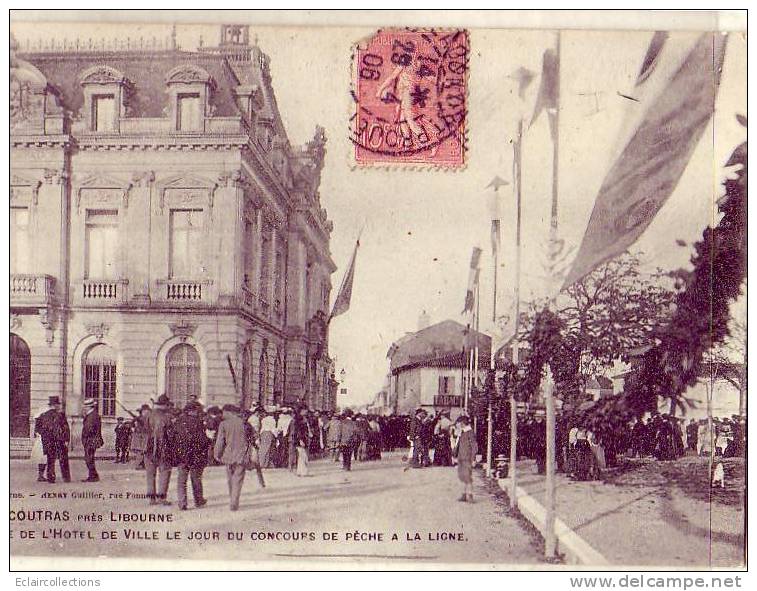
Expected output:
(147, 71)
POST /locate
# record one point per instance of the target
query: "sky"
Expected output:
(421, 225)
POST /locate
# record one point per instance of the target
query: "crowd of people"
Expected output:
(583, 453)
(161, 437)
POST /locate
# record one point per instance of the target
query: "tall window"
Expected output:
(19, 247)
(182, 374)
(103, 112)
(185, 249)
(262, 377)
(249, 253)
(188, 112)
(101, 244)
(247, 376)
(100, 378)
(278, 379)
(446, 385)
(279, 281)
(265, 267)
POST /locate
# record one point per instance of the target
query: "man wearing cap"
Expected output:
(52, 428)
(191, 453)
(159, 451)
(231, 450)
(91, 437)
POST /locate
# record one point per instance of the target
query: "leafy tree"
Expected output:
(602, 318)
(702, 307)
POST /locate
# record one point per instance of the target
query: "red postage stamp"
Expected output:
(410, 92)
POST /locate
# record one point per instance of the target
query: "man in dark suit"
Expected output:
(191, 453)
(91, 437)
(159, 451)
(52, 427)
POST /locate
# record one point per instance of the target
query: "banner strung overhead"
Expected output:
(674, 98)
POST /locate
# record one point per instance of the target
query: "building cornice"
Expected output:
(41, 141)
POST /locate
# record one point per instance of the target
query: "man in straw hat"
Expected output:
(91, 437)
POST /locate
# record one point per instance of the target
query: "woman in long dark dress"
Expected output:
(466, 457)
(442, 447)
(583, 462)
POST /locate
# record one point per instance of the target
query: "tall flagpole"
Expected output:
(550, 541)
(492, 355)
(517, 166)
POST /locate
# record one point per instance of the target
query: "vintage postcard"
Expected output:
(408, 296)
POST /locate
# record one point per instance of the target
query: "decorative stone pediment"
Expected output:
(102, 75)
(24, 189)
(187, 188)
(188, 74)
(103, 189)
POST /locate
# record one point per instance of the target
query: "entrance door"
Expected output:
(20, 387)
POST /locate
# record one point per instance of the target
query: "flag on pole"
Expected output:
(472, 280)
(672, 102)
(549, 90)
(496, 212)
(342, 301)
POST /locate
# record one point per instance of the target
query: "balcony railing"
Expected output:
(103, 291)
(448, 400)
(28, 289)
(186, 291)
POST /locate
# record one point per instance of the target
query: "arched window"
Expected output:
(20, 386)
(262, 377)
(247, 376)
(100, 378)
(182, 375)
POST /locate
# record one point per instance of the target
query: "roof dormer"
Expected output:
(189, 90)
(105, 93)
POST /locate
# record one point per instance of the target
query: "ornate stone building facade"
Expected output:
(163, 228)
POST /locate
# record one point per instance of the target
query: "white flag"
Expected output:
(671, 104)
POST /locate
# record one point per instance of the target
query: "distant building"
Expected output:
(161, 223)
(598, 387)
(719, 382)
(428, 368)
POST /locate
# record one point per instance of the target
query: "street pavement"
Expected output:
(376, 515)
(652, 513)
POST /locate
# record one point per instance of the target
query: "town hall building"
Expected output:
(165, 234)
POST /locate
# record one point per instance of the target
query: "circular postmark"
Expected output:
(410, 92)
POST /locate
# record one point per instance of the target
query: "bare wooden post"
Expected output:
(550, 542)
